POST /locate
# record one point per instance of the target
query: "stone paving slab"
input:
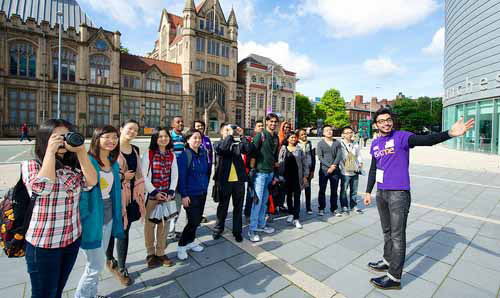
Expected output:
(448, 255)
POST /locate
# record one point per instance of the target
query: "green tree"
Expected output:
(333, 106)
(305, 111)
(415, 114)
(123, 49)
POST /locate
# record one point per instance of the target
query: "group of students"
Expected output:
(88, 200)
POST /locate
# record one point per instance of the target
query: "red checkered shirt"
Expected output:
(55, 221)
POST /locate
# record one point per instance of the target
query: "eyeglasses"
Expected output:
(382, 121)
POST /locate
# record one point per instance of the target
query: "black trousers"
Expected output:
(334, 185)
(248, 201)
(307, 191)
(194, 212)
(236, 190)
(393, 207)
(293, 202)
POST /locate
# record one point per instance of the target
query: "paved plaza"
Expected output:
(453, 247)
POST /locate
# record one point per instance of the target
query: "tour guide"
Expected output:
(390, 160)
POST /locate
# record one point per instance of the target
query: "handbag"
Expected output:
(215, 192)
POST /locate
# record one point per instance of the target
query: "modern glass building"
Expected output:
(472, 72)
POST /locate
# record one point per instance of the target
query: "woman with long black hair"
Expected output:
(160, 177)
(55, 183)
(132, 198)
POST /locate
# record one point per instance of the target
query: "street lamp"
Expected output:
(60, 15)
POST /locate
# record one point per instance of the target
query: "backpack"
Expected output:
(16, 209)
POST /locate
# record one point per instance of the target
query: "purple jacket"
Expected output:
(207, 144)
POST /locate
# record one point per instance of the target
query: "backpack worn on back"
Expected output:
(16, 209)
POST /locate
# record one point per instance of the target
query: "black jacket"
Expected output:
(227, 151)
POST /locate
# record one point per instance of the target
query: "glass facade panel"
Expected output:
(470, 136)
(485, 126)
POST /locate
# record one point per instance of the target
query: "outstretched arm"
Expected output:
(458, 129)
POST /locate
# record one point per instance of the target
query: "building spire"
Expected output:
(232, 19)
(189, 5)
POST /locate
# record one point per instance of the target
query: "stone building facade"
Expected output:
(205, 43)
(99, 85)
(359, 110)
(266, 87)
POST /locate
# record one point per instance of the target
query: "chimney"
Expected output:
(374, 103)
(358, 100)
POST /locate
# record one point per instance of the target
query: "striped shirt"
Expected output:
(55, 222)
(178, 142)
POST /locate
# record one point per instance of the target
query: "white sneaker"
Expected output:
(321, 213)
(266, 229)
(309, 212)
(195, 247)
(254, 237)
(182, 252)
(357, 210)
(289, 219)
(297, 224)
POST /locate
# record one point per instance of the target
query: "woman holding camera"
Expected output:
(159, 167)
(294, 168)
(101, 208)
(55, 183)
(193, 184)
(132, 199)
(231, 177)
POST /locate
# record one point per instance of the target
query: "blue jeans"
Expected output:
(49, 269)
(258, 214)
(350, 182)
(334, 185)
(87, 287)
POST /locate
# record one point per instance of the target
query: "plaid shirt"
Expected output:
(55, 222)
(161, 168)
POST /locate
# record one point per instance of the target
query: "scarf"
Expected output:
(138, 194)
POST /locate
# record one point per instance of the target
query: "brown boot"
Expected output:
(112, 266)
(123, 277)
(165, 261)
(152, 261)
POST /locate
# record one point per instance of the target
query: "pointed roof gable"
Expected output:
(232, 19)
(173, 19)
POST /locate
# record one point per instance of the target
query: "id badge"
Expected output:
(380, 176)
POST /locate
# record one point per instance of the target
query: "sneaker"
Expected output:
(266, 229)
(112, 265)
(297, 224)
(289, 219)
(152, 261)
(123, 277)
(321, 213)
(100, 296)
(204, 219)
(182, 252)
(254, 237)
(345, 211)
(309, 212)
(337, 213)
(195, 247)
(165, 261)
(357, 210)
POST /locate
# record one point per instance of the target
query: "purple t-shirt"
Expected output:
(392, 153)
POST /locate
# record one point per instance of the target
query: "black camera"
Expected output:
(73, 139)
(233, 126)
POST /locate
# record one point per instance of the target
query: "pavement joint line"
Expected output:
(493, 221)
(299, 278)
(457, 181)
(17, 155)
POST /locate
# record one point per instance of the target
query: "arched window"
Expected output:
(254, 79)
(207, 90)
(68, 65)
(22, 56)
(99, 69)
(262, 81)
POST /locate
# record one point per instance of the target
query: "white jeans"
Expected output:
(87, 287)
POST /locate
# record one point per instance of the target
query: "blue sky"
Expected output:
(368, 47)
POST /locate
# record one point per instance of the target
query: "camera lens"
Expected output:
(74, 139)
(233, 126)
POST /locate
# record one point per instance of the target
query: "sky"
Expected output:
(360, 47)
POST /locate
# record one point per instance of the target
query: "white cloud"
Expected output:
(437, 45)
(281, 53)
(359, 17)
(382, 67)
(135, 13)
